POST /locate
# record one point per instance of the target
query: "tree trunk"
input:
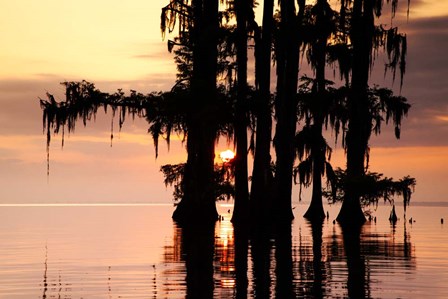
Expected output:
(315, 211)
(241, 210)
(359, 120)
(198, 202)
(261, 188)
(285, 107)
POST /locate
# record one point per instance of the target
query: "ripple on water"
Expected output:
(137, 252)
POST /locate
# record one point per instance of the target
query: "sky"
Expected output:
(117, 44)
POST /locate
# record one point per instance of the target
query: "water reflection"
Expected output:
(198, 248)
(52, 288)
(358, 285)
(261, 250)
(312, 260)
(131, 255)
(45, 284)
(283, 261)
(241, 246)
(318, 286)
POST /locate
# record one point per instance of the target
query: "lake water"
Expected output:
(137, 252)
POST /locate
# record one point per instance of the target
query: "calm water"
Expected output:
(137, 252)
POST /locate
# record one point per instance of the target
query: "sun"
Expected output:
(226, 155)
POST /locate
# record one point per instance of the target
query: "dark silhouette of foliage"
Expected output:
(163, 110)
(304, 142)
(212, 98)
(371, 188)
(223, 180)
(365, 39)
(318, 29)
(384, 107)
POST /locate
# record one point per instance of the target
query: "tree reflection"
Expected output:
(357, 285)
(311, 264)
(241, 258)
(283, 259)
(190, 257)
(198, 244)
(45, 284)
(308, 260)
(318, 265)
(368, 252)
(261, 249)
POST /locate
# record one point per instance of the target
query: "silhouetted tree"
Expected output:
(320, 27)
(262, 177)
(261, 188)
(287, 59)
(365, 37)
(200, 21)
(243, 11)
(201, 109)
(190, 108)
(373, 187)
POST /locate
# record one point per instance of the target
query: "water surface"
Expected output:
(120, 251)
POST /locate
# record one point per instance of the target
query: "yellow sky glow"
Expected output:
(82, 38)
(427, 8)
(89, 39)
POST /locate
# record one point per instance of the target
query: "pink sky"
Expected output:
(120, 46)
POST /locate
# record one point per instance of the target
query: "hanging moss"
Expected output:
(372, 188)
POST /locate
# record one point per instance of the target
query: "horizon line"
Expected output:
(121, 204)
(80, 204)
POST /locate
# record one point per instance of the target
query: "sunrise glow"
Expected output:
(149, 196)
(227, 155)
(442, 117)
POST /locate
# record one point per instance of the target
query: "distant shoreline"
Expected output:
(226, 204)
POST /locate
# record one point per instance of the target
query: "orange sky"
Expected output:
(119, 45)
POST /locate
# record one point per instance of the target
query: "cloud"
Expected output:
(424, 83)
(428, 62)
